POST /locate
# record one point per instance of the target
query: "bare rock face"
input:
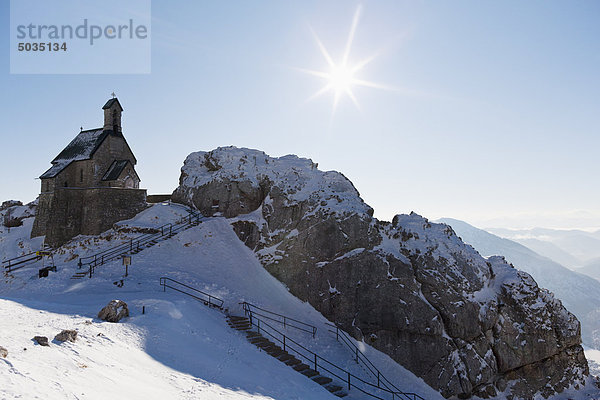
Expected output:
(3, 352)
(41, 340)
(114, 311)
(466, 325)
(66, 335)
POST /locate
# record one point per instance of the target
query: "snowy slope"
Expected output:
(178, 348)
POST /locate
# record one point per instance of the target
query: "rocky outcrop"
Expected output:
(114, 311)
(13, 212)
(465, 324)
(66, 335)
(41, 340)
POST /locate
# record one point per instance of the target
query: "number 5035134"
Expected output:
(50, 46)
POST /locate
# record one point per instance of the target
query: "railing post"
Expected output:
(378, 379)
(348, 380)
(102, 263)
(284, 321)
(316, 363)
(258, 323)
(283, 342)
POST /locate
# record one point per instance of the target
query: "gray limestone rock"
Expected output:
(41, 340)
(114, 311)
(66, 335)
(466, 325)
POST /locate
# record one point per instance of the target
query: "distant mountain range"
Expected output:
(578, 292)
(571, 248)
(592, 269)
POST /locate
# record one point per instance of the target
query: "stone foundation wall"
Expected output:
(68, 212)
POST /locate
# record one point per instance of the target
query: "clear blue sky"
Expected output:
(500, 116)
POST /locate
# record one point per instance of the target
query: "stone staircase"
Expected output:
(244, 325)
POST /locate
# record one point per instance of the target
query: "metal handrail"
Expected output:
(10, 264)
(284, 319)
(340, 373)
(127, 244)
(209, 299)
(112, 253)
(360, 357)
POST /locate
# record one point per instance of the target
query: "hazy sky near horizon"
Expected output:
(494, 116)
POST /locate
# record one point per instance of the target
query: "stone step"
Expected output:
(285, 356)
(239, 323)
(309, 372)
(276, 352)
(301, 367)
(258, 339)
(293, 362)
(242, 328)
(322, 380)
(333, 388)
(237, 317)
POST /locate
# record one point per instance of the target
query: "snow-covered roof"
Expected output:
(81, 148)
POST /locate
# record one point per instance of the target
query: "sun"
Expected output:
(340, 78)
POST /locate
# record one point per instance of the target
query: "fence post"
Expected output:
(316, 363)
(283, 342)
(348, 380)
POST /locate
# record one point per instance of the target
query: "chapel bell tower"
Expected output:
(112, 115)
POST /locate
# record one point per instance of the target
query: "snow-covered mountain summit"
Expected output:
(412, 288)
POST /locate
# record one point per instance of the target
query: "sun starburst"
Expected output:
(341, 77)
